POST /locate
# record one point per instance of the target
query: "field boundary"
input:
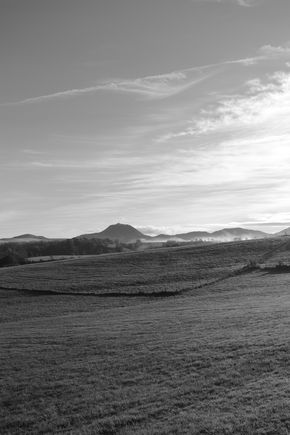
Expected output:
(246, 266)
(244, 270)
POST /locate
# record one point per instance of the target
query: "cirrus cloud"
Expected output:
(262, 101)
(245, 3)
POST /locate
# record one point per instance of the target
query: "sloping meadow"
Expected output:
(158, 271)
(214, 361)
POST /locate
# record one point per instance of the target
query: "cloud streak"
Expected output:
(245, 3)
(158, 86)
(150, 87)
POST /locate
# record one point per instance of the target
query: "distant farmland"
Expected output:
(167, 270)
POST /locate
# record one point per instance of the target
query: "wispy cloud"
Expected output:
(33, 152)
(261, 101)
(252, 169)
(245, 3)
(161, 86)
(276, 51)
(157, 86)
(152, 87)
(107, 163)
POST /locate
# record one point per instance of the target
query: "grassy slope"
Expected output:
(212, 361)
(163, 270)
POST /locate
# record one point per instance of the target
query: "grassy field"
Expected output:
(212, 360)
(168, 270)
(45, 258)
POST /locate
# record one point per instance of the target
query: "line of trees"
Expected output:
(17, 253)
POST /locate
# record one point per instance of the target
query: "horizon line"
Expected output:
(153, 235)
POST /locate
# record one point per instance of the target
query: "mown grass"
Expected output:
(211, 361)
(159, 271)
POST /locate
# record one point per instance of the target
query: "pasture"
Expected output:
(210, 360)
(159, 271)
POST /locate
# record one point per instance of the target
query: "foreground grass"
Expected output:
(159, 271)
(213, 361)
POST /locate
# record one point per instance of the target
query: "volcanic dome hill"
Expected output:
(123, 233)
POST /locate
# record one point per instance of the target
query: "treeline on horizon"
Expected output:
(12, 254)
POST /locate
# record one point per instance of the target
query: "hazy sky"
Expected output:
(170, 115)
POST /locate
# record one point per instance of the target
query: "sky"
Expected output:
(169, 115)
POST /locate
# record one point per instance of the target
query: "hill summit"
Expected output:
(285, 232)
(29, 236)
(123, 233)
(24, 238)
(228, 234)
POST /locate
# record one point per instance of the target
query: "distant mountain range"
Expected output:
(128, 234)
